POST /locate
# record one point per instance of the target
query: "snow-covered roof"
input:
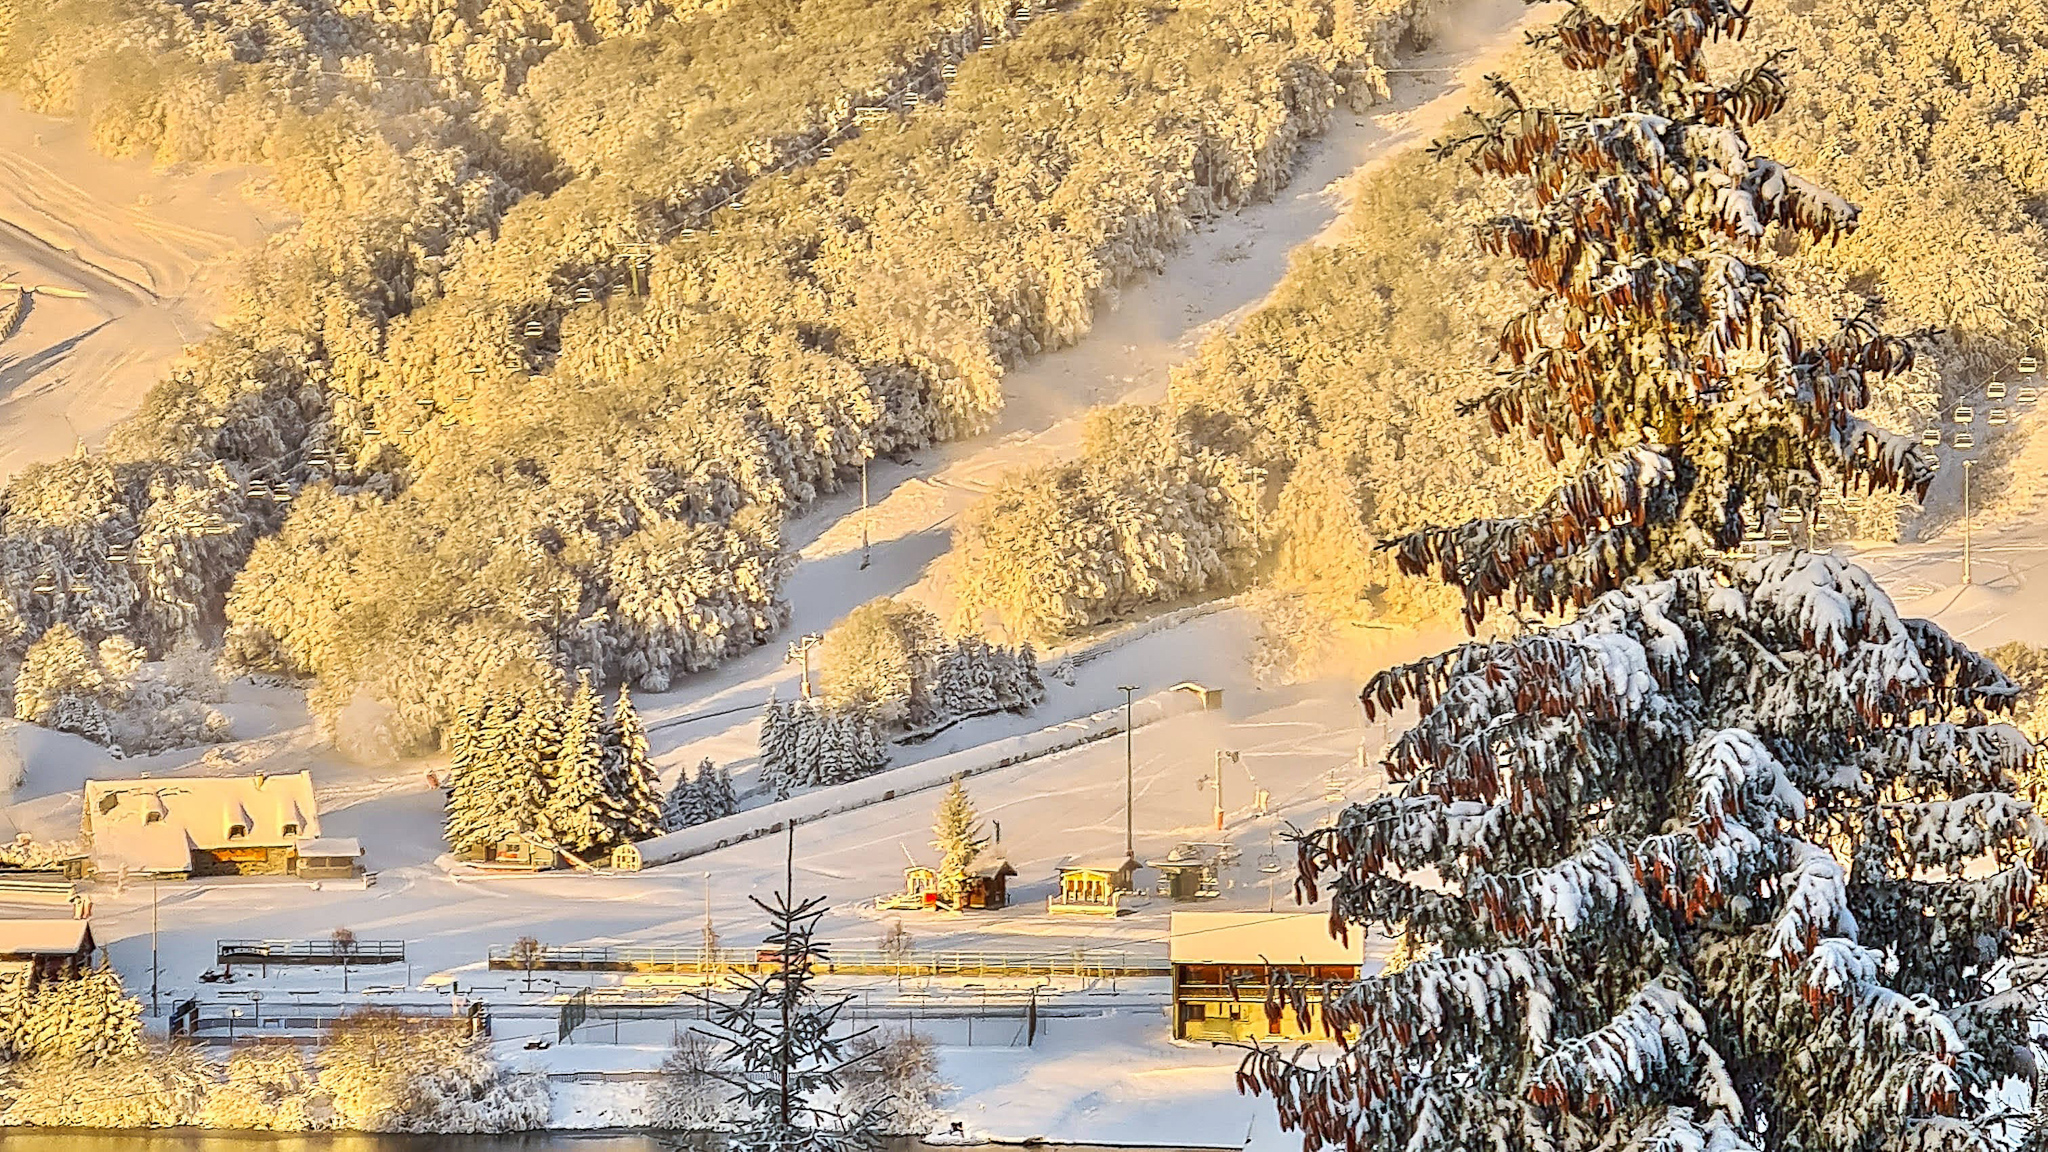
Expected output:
(331, 846)
(1255, 937)
(43, 936)
(1099, 864)
(154, 824)
(989, 865)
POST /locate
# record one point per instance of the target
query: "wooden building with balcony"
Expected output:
(1224, 962)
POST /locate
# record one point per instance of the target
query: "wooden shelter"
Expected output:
(987, 883)
(518, 852)
(1092, 887)
(35, 949)
(1224, 963)
(329, 858)
(1193, 871)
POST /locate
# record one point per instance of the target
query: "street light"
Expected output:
(800, 651)
(1130, 837)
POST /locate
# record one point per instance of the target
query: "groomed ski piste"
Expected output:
(1101, 1068)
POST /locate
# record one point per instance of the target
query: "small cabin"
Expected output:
(1193, 871)
(46, 948)
(518, 852)
(1092, 887)
(329, 858)
(987, 883)
(1207, 698)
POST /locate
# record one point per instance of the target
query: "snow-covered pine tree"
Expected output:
(580, 812)
(684, 806)
(715, 787)
(966, 683)
(629, 774)
(469, 821)
(1660, 350)
(778, 744)
(957, 834)
(810, 732)
(1731, 861)
(782, 1055)
(1025, 684)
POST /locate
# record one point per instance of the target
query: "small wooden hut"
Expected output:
(1092, 887)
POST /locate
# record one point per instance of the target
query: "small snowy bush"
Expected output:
(895, 1072)
(689, 1096)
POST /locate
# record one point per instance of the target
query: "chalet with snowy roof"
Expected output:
(1224, 964)
(205, 825)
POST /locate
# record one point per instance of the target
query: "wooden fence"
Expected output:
(839, 961)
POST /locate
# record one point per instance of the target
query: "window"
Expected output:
(109, 802)
(237, 831)
(291, 829)
(152, 816)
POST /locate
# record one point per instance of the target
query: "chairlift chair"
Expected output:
(950, 71)
(117, 553)
(1965, 441)
(80, 588)
(46, 584)
(1965, 414)
(1995, 390)
(1269, 862)
(1853, 502)
(1781, 534)
(533, 329)
(1931, 438)
(1996, 417)
(1822, 521)
(2029, 365)
(1792, 514)
(2027, 395)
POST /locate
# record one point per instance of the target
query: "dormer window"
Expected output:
(237, 831)
(109, 801)
(291, 828)
(152, 816)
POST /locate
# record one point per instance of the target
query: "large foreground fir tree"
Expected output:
(1730, 861)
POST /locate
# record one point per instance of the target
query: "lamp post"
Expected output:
(1130, 836)
(800, 652)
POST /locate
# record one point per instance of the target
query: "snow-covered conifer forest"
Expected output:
(581, 328)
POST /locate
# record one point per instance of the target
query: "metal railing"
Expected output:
(839, 961)
(309, 952)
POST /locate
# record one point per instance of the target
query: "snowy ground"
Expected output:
(147, 247)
